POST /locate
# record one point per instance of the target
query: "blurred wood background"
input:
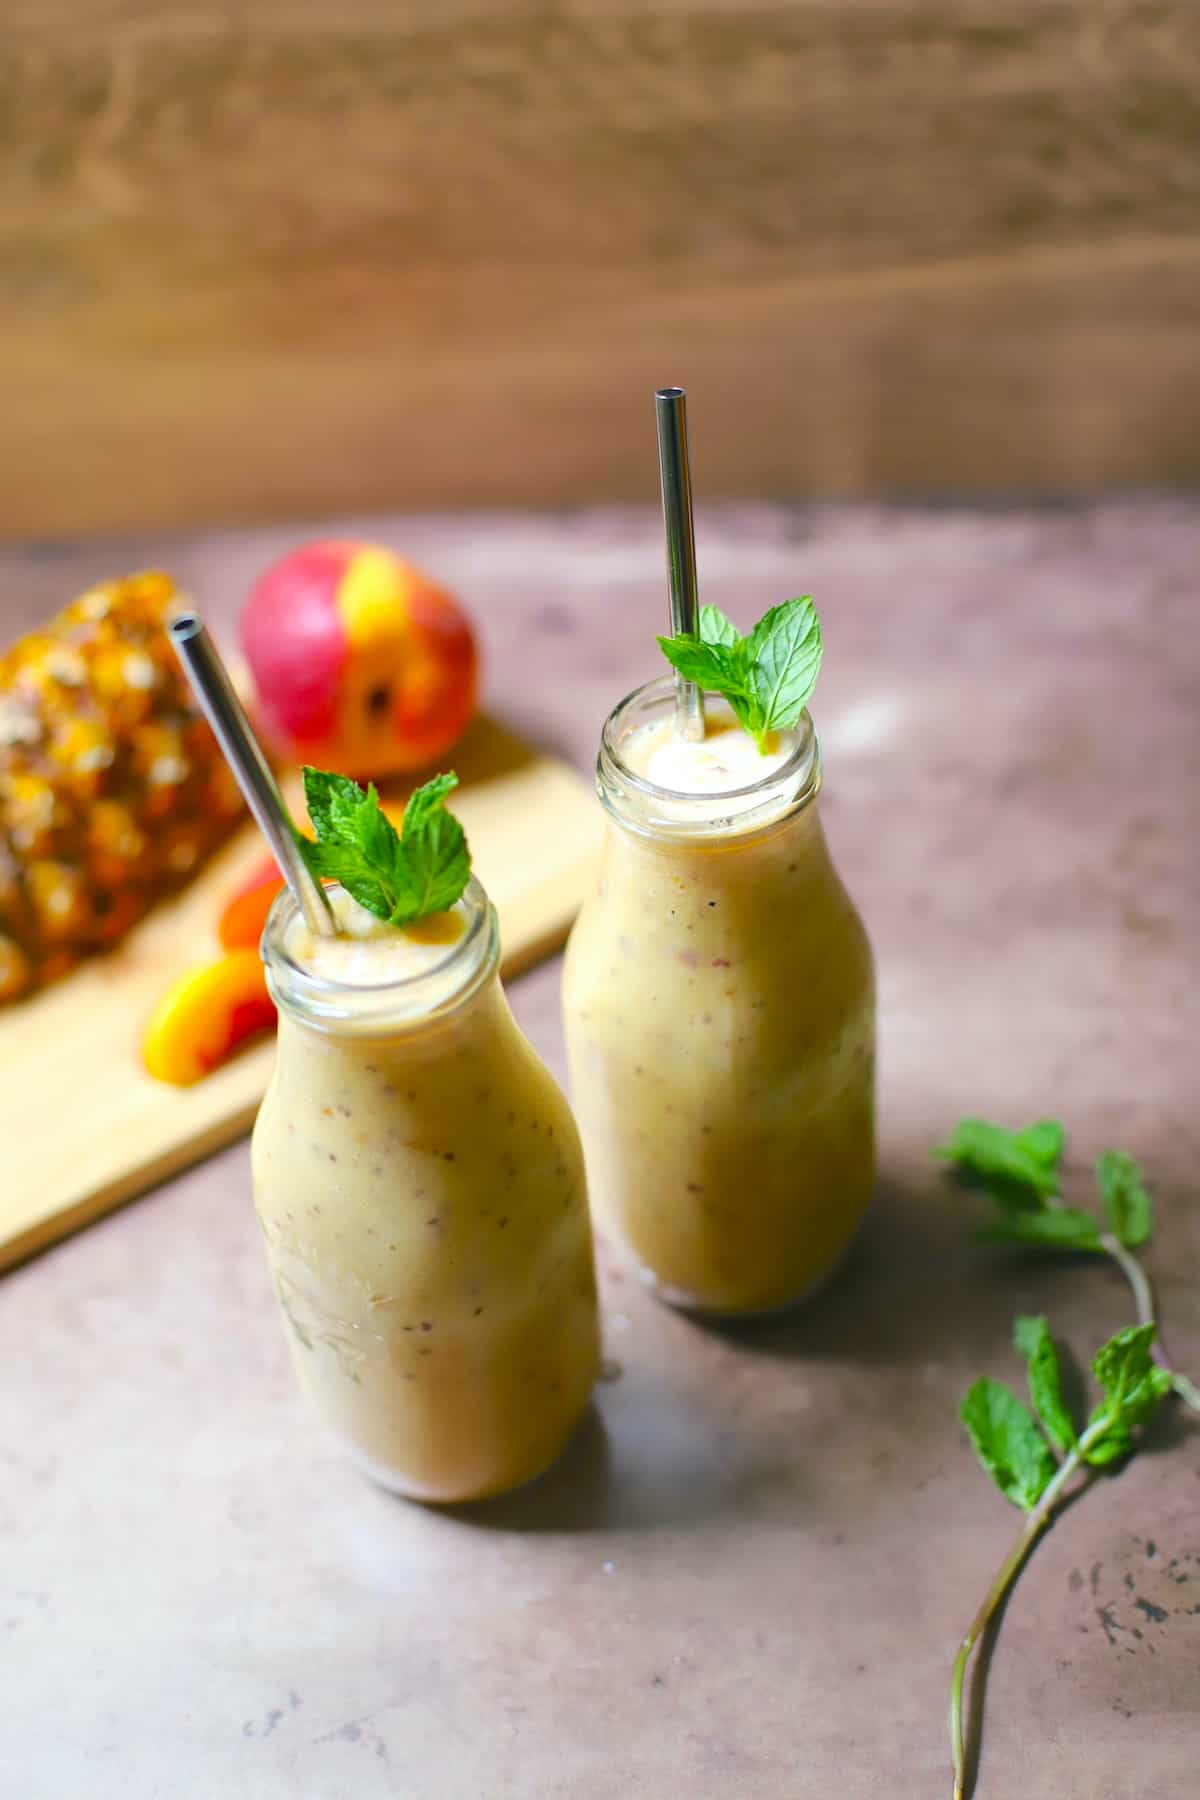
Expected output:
(260, 257)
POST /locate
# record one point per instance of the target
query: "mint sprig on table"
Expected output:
(1020, 1173)
(400, 876)
(768, 677)
(1019, 1452)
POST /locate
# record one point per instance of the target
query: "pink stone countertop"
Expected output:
(747, 1576)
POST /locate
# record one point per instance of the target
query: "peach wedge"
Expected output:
(245, 912)
(205, 1015)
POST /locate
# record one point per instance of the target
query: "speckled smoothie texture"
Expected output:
(420, 1188)
(720, 1015)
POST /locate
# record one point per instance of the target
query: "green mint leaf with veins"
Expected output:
(398, 876)
(718, 667)
(330, 861)
(715, 628)
(715, 666)
(785, 660)
(331, 801)
(1018, 1168)
(1020, 1171)
(1054, 1228)
(1127, 1202)
(1007, 1442)
(766, 678)
(435, 848)
(356, 841)
(1032, 1339)
(428, 802)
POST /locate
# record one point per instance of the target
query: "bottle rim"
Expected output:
(404, 1000)
(664, 811)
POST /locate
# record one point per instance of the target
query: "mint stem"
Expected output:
(1035, 1523)
(1143, 1299)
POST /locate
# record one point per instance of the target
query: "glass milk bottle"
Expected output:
(419, 1184)
(720, 1015)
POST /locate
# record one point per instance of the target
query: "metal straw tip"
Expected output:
(184, 627)
(669, 393)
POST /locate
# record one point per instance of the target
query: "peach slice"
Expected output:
(205, 1015)
(245, 913)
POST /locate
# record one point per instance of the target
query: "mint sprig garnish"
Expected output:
(400, 876)
(1011, 1447)
(1020, 1173)
(766, 678)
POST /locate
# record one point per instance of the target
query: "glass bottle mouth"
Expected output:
(646, 806)
(396, 1002)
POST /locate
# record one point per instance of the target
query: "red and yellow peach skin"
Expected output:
(245, 912)
(205, 1015)
(360, 662)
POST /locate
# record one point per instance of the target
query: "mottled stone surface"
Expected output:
(747, 1576)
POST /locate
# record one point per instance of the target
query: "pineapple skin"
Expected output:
(112, 789)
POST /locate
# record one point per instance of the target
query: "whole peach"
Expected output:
(360, 663)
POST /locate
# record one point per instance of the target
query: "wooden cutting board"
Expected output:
(84, 1128)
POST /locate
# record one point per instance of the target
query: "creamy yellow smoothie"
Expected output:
(720, 1014)
(419, 1183)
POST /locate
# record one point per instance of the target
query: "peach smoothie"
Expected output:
(420, 1188)
(720, 1010)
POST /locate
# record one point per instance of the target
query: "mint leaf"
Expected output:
(1124, 1360)
(721, 668)
(357, 844)
(427, 804)
(1127, 1201)
(331, 861)
(732, 653)
(1032, 1339)
(1007, 1442)
(435, 851)
(1018, 1168)
(1054, 1228)
(714, 666)
(1133, 1386)
(715, 628)
(785, 660)
(330, 800)
(400, 877)
(375, 833)
(1132, 1380)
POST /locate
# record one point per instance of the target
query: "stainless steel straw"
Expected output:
(242, 751)
(675, 476)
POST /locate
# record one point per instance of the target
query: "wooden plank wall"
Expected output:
(265, 257)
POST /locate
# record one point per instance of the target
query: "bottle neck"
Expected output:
(669, 814)
(394, 1004)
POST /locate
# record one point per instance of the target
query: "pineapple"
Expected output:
(112, 789)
